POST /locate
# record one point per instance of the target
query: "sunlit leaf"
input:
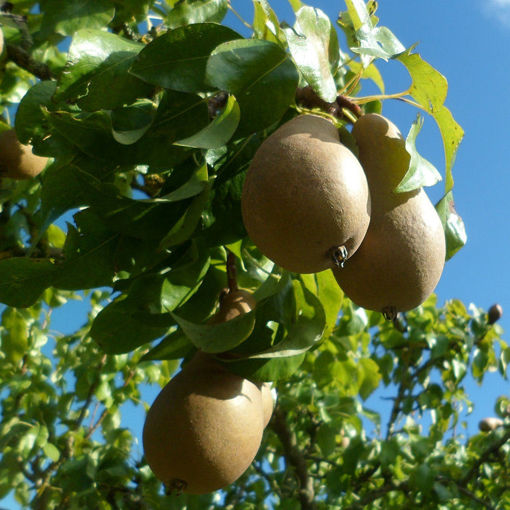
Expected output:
(421, 172)
(453, 225)
(177, 59)
(313, 44)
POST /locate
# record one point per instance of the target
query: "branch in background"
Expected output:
(484, 458)
(22, 59)
(295, 458)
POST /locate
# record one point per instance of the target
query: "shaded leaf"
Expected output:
(67, 17)
(97, 71)
(219, 131)
(177, 59)
(219, 337)
(23, 280)
(260, 75)
(174, 346)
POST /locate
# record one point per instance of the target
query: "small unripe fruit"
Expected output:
(490, 423)
(495, 313)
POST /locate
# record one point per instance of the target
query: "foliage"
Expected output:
(151, 112)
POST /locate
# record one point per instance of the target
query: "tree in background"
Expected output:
(150, 113)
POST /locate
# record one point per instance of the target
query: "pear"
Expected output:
(305, 201)
(17, 161)
(401, 259)
(204, 428)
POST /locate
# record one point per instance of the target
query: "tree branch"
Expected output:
(22, 59)
(484, 458)
(295, 458)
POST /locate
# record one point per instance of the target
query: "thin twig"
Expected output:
(22, 59)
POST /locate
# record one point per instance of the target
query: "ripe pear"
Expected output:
(17, 161)
(401, 259)
(204, 428)
(305, 201)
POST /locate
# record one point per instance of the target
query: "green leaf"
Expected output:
(123, 326)
(369, 375)
(97, 71)
(130, 123)
(91, 133)
(219, 337)
(23, 280)
(197, 11)
(180, 115)
(265, 22)
(14, 335)
(177, 59)
(191, 188)
(313, 44)
(453, 225)
(30, 120)
(452, 135)
(331, 297)
(421, 172)
(174, 346)
(219, 131)
(67, 17)
(373, 41)
(429, 88)
(305, 332)
(273, 369)
(260, 75)
(61, 192)
(51, 451)
(185, 277)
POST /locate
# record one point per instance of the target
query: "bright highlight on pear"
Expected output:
(401, 259)
(305, 200)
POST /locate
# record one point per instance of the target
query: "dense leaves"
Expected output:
(151, 112)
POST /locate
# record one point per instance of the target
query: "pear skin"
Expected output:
(401, 259)
(305, 201)
(204, 428)
(17, 161)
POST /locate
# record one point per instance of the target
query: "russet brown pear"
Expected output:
(305, 201)
(204, 428)
(17, 161)
(401, 259)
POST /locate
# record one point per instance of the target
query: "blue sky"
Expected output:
(467, 41)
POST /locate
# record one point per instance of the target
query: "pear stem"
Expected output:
(309, 99)
(231, 271)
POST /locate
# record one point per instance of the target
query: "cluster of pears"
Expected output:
(17, 161)
(205, 427)
(310, 204)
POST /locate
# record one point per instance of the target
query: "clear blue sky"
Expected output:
(468, 42)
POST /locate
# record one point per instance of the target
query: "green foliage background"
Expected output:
(151, 118)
